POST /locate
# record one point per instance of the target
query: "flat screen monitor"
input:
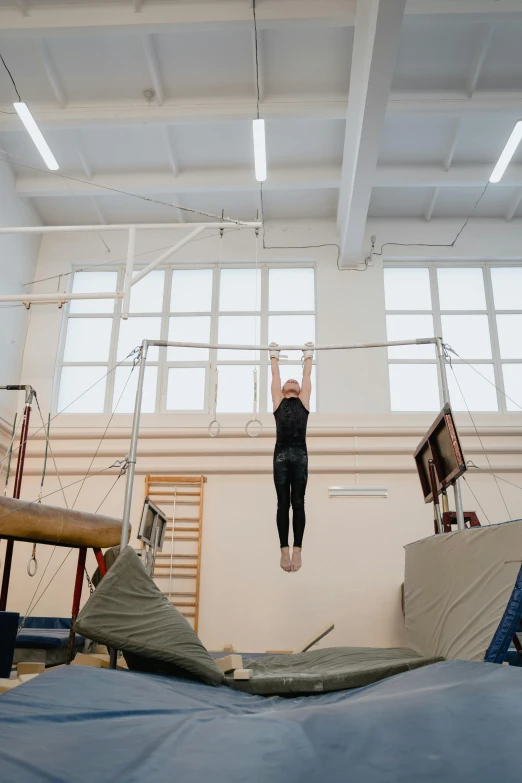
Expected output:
(442, 445)
(153, 524)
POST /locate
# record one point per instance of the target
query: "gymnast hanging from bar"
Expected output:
(291, 408)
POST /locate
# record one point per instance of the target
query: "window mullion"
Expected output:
(161, 387)
(263, 357)
(437, 320)
(214, 324)
(113, 350)
(495, 345)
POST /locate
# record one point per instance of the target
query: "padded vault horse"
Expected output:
(41, 524)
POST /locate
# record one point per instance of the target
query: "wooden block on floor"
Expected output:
(7, 684)
(230, 663)
(27, 677)
(315, 638)
(228, 648)
(104, 658)
(101, 649)
(86, 660)
(30, 667)
(243, 674)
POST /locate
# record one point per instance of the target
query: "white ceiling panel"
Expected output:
(306, 61)
(209, 63)
(24, 60)
(66, 211)
(416, 139)
(100, 68)
(435, 53)
(297, 204)
(290, 142)
(483, 137)
(459, 202)
(128, 147)
(399, 202)
(219, 144)
(502, 68)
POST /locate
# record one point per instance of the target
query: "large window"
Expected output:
(477, 310)
(229, 305)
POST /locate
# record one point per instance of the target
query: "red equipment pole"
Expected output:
(29, 394)
(80, 568)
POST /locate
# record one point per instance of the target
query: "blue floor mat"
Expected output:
(452, 721)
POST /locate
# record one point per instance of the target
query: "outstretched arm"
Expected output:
(306, 385)
(276, 378)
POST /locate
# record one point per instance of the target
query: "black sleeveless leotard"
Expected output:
(291, 468)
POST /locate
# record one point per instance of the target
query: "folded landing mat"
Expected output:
(329, 669)
(128, 612)
(462, 592)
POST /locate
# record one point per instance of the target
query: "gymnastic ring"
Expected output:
(253, 433)
(212, 431)
(30, 571)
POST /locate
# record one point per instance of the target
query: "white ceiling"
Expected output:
(82, 67)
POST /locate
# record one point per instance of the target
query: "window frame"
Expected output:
(165, 314)
(496, 361)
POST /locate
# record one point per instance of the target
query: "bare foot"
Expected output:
(285, 559)
(296, 562)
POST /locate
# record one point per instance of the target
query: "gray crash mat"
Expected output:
(325, 670)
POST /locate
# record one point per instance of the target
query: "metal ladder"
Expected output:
(177, 570)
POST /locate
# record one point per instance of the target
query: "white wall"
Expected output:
(18, 257)
(353, 553)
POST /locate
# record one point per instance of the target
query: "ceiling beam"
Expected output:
(464, 7)
(100, 18)
(432, 176)
(170, 150)
(80, 151)
(451, 102)
(377, 30)
(431, 206)
(482, 45)
(190, 181)
(448, 160)
(177, 113)
(96, 18)
(294, 107)
(97, 209)
(52, 74)
(154, 67)
(233, 179)
(514, 206)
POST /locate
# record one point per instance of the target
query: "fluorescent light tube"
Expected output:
(357, 492)
(507, 153)
(258, 130)
(36, 134)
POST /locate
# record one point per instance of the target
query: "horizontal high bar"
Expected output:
(126, 226)
(225, 347)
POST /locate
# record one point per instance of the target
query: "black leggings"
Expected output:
(290, 477)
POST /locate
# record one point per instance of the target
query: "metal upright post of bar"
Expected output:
(29, 396)
(459, 511)
(131, 459)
